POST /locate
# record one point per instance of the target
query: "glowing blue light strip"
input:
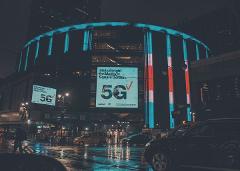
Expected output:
(206, 54)
(170, 81)
(169, 48)
(20, 63)
(66, 44)
(50, 46)
(169, 31)
(36, 52)
(26, 59)
(151, 114)
(189, 117)
(118, 24)
(86, 40)
(150, 81)
(185, 54)
(145, 81)
(172, 121)
(90, 40)
(197, 52)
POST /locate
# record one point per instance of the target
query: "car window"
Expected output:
(227, 129)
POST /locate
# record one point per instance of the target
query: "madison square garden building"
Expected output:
(136, 71)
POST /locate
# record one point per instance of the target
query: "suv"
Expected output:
(212, 144)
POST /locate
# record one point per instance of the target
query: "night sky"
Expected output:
(14, 19)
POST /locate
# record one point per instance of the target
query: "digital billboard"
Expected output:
(44, 95)
(117, 87)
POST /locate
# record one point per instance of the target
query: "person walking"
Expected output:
(20, 135)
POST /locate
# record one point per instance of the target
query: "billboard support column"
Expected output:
(149, 82)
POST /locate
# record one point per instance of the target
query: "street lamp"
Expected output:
(24, 111)
(62, 99)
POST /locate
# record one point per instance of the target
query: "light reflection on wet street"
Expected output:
(111, 157)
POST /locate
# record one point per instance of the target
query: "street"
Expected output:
(112, 157)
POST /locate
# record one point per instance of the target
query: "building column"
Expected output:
(187, 80)
(66, 43)
(170, 81)
(20, 62)
(50, 44)
(26, 59)
(87, 40)
(37, 51)
(197, 52)
(148, 81)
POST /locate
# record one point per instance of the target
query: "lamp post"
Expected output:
(61, 98)
(24, 111)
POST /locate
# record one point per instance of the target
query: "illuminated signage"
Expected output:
(117, 87)
(43, 95)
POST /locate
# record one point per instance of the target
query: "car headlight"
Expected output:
(148, 144)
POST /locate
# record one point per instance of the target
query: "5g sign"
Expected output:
(118, 92)
(46, 98)
(44, 95)
(117, 87)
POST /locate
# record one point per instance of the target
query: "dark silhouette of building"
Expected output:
(47, 15)
(216, 86)
(220, 29)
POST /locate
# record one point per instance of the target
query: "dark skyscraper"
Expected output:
(220, 29)
(47, 15)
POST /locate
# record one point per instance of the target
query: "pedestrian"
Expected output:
(20, 136)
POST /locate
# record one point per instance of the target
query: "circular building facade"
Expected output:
(74, 58)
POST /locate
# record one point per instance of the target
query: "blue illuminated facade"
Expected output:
(161, 54)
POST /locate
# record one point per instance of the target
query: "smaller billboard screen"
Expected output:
(44, 95)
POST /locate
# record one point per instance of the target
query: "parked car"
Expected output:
(90, 139)
(179, 131)
(136, 139)
(213, 144)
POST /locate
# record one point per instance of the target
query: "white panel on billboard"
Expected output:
(117, 87)
(44, 95)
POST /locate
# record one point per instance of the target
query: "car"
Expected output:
(136, 139)
(90, 139)
(24, 162)
(179, 130)
(212, 144)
